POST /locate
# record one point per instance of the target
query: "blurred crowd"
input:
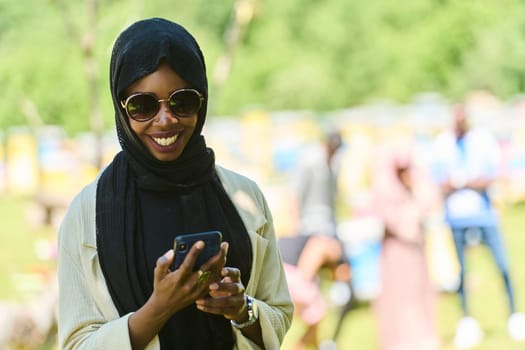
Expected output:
(372, 222)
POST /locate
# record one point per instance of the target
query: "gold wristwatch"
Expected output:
(253, 314)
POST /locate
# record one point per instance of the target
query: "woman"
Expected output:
(118, 288)
(404, 197)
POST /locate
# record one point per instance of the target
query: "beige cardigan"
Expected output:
(87, 317)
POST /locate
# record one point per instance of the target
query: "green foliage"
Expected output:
(294, 54)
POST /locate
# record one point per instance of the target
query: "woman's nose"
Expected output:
(165, 115)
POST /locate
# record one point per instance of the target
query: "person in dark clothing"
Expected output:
(118, 287)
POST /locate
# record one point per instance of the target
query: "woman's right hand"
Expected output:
(174, 290)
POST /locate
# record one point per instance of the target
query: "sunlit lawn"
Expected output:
(26, 253)
(20, 264)
(20, 268)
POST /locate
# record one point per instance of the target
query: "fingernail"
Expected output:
(167, 256)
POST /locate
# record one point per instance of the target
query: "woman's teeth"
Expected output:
(166, 141)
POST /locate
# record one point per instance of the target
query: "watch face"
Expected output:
(253, 314)
(249, 306)
(252, 308)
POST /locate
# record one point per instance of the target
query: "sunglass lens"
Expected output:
(185, 103)
(142, 107)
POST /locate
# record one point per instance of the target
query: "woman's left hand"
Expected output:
(226, 297)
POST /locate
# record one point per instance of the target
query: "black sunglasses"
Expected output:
(143, 106)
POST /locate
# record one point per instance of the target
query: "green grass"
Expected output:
(26, 255)
(22, 269)
(18, 258)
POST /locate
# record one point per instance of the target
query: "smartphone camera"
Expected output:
(184, 242)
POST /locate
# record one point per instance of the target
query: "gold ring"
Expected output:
(203, 276)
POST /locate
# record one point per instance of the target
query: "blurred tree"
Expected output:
(294, 54)
(87, 41)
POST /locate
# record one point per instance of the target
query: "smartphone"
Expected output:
(183, 243)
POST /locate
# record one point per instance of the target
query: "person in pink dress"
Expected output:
(404, 306)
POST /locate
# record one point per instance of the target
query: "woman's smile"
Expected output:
(165, 141)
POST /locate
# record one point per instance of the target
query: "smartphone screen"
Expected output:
(183, 243)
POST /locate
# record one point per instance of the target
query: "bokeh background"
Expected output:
(280, 72)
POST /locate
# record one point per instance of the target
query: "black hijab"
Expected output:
(143, 203)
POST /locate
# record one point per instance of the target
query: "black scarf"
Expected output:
(143, 203)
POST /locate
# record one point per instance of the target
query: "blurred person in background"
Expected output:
(304, 258)
(315, 246)
(466, 165)
(314, 183)
(118, 287)
(404, 197)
